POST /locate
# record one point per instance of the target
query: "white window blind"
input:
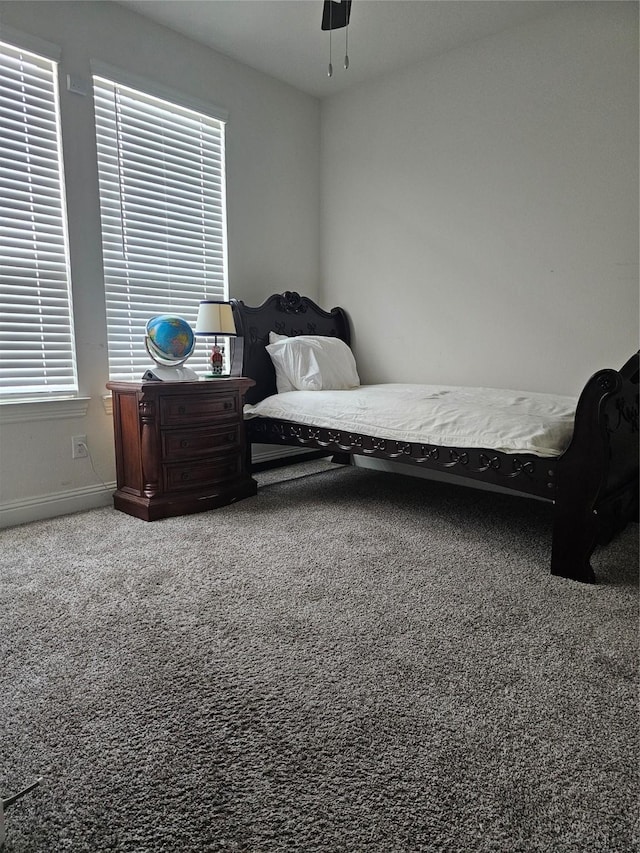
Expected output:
(163, 208)
(37, 352)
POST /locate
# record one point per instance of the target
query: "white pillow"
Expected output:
(312, 363)
(282, 381)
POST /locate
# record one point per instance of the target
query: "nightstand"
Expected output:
(180, 446)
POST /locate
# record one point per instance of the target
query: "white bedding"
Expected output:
(492, 418)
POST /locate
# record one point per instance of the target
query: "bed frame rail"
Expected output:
(523, 472)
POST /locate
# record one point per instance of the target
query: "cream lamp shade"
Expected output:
(215, 318)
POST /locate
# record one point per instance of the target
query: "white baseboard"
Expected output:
(40, 507)
(57, 503)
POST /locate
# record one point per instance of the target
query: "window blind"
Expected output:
(163, 209)
(37, 351)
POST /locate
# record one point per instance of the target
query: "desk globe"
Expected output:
(170, 341)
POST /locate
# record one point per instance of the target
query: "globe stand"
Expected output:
(170, 374)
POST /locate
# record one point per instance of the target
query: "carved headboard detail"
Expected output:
(285, 313)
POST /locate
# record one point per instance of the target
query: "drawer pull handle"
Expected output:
(184, 443)
(228, 405)
(231, 436)
(185, 475)
(181, 410)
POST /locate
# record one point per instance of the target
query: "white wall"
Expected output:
(273, 221)
(480, 211)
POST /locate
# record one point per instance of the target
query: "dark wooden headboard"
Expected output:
(287, 314)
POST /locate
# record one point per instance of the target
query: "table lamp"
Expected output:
(216, 318)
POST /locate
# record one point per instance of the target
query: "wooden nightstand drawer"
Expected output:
(181, 411)
(184, 444)
(209, 472)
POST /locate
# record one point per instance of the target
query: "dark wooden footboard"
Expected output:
(597, 476)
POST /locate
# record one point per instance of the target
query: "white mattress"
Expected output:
(491, 418)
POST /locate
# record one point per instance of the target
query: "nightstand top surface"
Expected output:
(187, 387)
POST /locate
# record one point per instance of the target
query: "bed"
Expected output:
(584, 461)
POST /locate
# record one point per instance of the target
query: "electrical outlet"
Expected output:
(79, 447)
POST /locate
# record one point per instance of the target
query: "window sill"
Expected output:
(22, 411)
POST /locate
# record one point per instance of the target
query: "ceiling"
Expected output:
(283, 37)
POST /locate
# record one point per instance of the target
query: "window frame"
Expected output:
(149, 90)
(56, 400)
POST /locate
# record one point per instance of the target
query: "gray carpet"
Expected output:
(350, 661)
